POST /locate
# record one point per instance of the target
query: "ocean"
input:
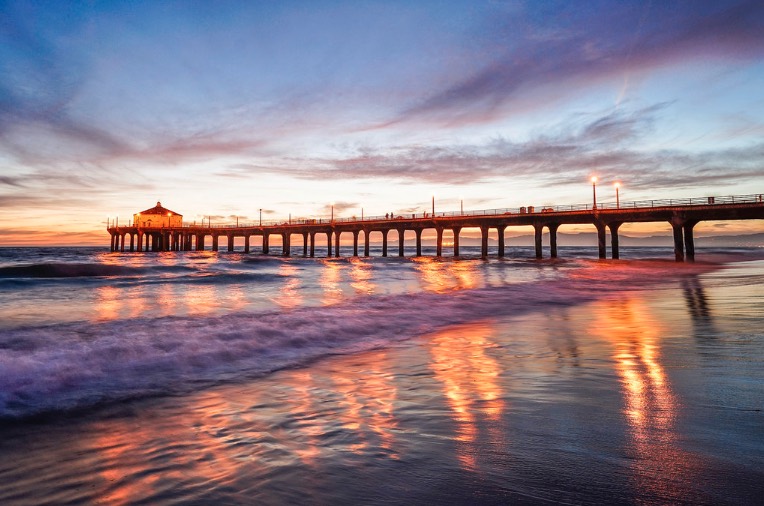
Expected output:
(231, 378)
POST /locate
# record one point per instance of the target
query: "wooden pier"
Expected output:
(682, 215)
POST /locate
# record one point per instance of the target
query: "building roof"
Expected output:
(158, 209)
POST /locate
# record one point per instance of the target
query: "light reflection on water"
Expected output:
(605, 402)
(289, 294)
(650, 407)
(469, 375)
(361, 276)
(330, 282)
(441, 277)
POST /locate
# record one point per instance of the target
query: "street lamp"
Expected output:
(461, 205)
(617, 196)
(594, 192)
(332, 212)
(261, 216)
(433, 205)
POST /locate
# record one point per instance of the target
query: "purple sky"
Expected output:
(224, 108)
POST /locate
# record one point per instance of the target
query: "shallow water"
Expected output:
(387, 381)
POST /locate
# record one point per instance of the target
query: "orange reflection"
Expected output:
(466, 274)
(304, 409)
(135, 300)
(201, 299)
(219, 435)
(650, 405)
(136, 462)
(166, 299)
(235, 297)
(330, 282)
(368, 405)
(108, 302)
(289, 295)
(360, 273)
(470, 382)
(445, 276)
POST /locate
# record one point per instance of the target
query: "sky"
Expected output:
(221, 109)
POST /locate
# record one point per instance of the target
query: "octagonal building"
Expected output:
(157, 217)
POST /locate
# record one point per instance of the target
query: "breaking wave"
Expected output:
(78, 365)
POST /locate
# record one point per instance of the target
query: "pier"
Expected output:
(313, 234)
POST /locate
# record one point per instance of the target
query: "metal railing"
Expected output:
(524, 210)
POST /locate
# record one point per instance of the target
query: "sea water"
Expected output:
(201, 377)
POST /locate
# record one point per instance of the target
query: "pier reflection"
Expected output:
(470, 380)
(661, 467)
(698, 306)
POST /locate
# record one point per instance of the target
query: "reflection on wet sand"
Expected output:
(309, 433)
(661, 467)
(238, 435)
(469, 376)
(698, 307)
(368, 407)
(122, 450)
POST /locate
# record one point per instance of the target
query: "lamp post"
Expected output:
(433, 205)
(332, 212)
(461, 205)
(594, 192)
(261, 216)
(617, 196)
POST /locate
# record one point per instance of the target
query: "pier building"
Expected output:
(157, 216)
(682, 215)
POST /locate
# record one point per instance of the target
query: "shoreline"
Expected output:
(225, 351)
(603, 401)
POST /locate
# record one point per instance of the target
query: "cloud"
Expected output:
(341, 206)
(586, 44)
(564, 154)
(12, 181)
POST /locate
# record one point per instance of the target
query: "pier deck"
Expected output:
(681, 214)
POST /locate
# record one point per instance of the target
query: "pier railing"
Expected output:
(604, 206)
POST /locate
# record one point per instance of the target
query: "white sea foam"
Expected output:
(77, 365)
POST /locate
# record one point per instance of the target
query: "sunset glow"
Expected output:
(241, 111)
